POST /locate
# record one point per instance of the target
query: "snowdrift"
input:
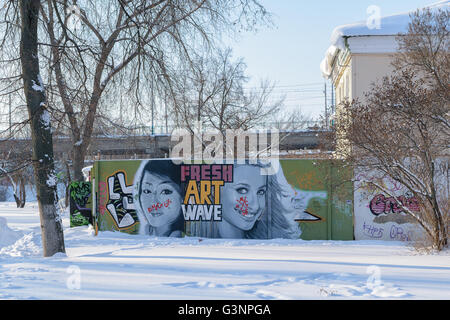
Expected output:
(8, 236)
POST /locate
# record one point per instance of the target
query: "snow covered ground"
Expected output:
(121, 266)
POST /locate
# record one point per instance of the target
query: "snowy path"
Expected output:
(121, 266)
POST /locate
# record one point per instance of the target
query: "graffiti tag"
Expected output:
(242, 205)
(158, 205)
(380, 204)
(373, 231)
(120, 204)
(397, 233)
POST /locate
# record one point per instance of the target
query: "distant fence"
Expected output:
(24, 132)
(132, 147)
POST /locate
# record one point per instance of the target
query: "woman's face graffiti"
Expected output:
(243, 201)
(160, 199)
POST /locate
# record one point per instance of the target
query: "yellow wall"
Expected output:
(353, 76)
(367, 69)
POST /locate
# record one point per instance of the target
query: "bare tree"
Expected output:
(123, 43)
(18, 174)
(98, 51)
(210, 90)
(292, 120)
(51, 226)
(402, 130)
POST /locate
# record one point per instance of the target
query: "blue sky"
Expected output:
(290, 53)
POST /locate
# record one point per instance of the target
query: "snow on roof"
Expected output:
(388, 26)
(325, 65)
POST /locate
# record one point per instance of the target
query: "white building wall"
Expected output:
(377, 218)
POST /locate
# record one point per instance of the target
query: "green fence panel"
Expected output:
(307, 199)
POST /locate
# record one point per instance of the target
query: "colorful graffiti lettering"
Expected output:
(120, 204)
(207, 172)
(380, 204)
(373, 231)
(157, 206)
(242, 205)
(202, 196)
(80, 210)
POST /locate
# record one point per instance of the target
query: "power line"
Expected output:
(292, 85)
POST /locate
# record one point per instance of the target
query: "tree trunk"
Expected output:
(17, 199)
(19, 192)
(78, 163)
(41, 135)
(23, 192)
(68, 181)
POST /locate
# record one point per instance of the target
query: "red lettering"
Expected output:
(380, 204)
(377, 205)
(184, 173)
(159, 205)
(195, 173)
(227, 173)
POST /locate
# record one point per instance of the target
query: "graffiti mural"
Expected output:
(80, 205)
(382, 204)
(158, 196)
(120, 200)
(381, 216)
(234, 201)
